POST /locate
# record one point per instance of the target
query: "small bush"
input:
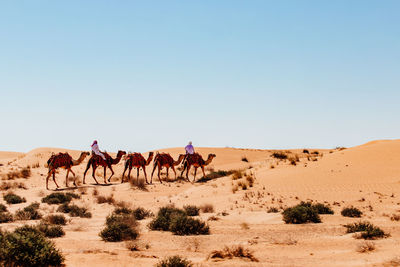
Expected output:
(12, 198)
(367, 230)
(6, 217)
(141, 213)
(237, 174)
(14, 185)
(191, 210)
(184, 225)
(366, 246)
(351, 212)
(3, 208)
(174, 261)
(301, 214)
(29, 212)
(207, 208)
(245, 159)
(323, 209)
(58, 198)
(305, 151)
(279, 155)
(51, 231)
(57, 219)
(163, 218)
(119, 228)
(27, 246)
(273, 210)
(74, 211)
(23, 173)
(102, 199)
(237, 251)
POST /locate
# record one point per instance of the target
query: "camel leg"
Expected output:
(112, 173)
(195, 170)
(122, 179)
(187, 173)
(47, 180)
(93, 173)
(105, 171)
(84, 174)
(129, 173)
(202, 168)
(74, 178)
(137, 175)
(145, 175)
(159, 171)
(173, 168)
(54, 178)
(154, 168)
(66, 178)
(167, 174)
(184, 168)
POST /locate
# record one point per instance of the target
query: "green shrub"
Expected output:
(319, 207)
(51, 231)
(174, 261)
(351, 212)
(6, 217)
(74, 210)
(164, 215)
(57, 198)
(57, 219)
(29, 212)
(27, 246)
(181, 224)
(177, 221)
(12, 198)
(367, 229)
(191, 210)
(119, 228)
(301, 214)
(3, 208)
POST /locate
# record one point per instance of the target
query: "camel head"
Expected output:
(180, 158)
(120, 153)
(210, 158)
(150, 158)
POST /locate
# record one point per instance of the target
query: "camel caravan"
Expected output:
(132, 160)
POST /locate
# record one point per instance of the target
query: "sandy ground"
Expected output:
(366, 176)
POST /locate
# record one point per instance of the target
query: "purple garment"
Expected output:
(189, 149)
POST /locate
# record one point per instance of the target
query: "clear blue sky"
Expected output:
(141, 75)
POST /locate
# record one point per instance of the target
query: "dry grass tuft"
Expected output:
(103, 199)
(207, 208)
(234, 252)
(365, 246)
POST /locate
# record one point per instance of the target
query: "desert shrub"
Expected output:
(119, 228)
(351, 212)
(3, 208)
(74, 210)
(51, 231)
(184, 225)
(25, 172)
(29, 212)
(237, 174)
(141, 184)
(305, 151)
(301, 214)
(12, 185)
(163, 218)
(122, 210)
(177, 221)
(236, 251)
(27, 246)
(367, 230)
(103, 199)
(245, 159)
(12, 198)
(323, 209)
(57, 198)
(58, 219)
(279, 155)
(365, 246)
(250, 180)
(273, 210)
(174, 261)
(6, 217)
(207, 208)
(141, 213)
(22, 173)
(191, 210)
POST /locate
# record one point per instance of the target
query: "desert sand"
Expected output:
(365, 176)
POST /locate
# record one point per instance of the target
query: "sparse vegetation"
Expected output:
(29, 212)
(237, 174)
(27, 246)
(120, 227)
(103, 199)
(319, 207)
(6, 217)
(59, 198)
(3, 208)
(12, 185)
(351, 212)
(174, 261)
(273, 210)
(236, 251)
(12, 198)
(245, 159)
(177, 221)
(207, 208)
(51, 231)
(301, 214)
(141, 213)
(191, 210)
(22, 173)
(279, 155)
(367, 230)
(366, 246)
(57, 219)
(74, 210)
(395, 217)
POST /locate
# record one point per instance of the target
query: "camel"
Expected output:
(165, 160)
(196, 160)
(96, 161)
(138, 161)
(63, 160)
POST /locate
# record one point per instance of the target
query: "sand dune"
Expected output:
(366, 176)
